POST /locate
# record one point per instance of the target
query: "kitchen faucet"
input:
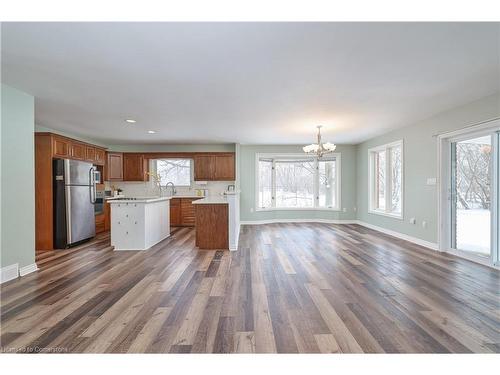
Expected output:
(173, 187)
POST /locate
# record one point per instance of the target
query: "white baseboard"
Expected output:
(276, 221)
(23, 271)
(9, 273)
(415, 240)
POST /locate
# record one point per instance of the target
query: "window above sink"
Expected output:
(178, 171)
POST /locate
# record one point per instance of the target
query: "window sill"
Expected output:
(298, 209)
(387, 214)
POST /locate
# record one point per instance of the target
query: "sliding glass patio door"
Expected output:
(471, 195)
(474, 228)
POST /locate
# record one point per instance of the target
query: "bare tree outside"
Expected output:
(327, 183)
(473, 175)
(265, 183)
(473, 159)
(396, 179)
(294, 183)
(380, 181)
(177, 171)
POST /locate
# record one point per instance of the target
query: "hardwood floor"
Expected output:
(291, 288)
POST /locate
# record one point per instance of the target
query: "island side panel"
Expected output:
(212, 226)
(157, 226)
(128, 226)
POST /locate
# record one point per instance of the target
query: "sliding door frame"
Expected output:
(444, 191)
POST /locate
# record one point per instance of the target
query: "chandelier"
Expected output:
(319, 148)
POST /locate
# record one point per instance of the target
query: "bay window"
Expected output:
(386, 179)
(290, 181)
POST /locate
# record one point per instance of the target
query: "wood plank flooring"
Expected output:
(290, 288)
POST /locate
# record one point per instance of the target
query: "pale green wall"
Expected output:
(237, 152)
(247, 184)
(18, 179)
(420, 163)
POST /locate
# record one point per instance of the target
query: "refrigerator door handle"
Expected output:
(93, 190)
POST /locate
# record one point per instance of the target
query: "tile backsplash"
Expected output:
(146, 189)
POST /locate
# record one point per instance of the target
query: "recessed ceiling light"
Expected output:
(151, 131)
(130, 121)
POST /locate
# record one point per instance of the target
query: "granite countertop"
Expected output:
(212, 200)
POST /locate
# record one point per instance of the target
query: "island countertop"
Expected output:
(138, 200)
(211, 200)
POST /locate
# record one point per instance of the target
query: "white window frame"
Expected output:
(444, 141)
(372, 209)
(338, 175)
(154, 169)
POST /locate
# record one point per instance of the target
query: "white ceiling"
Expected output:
(267, 83)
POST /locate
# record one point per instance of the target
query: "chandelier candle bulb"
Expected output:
(319, 148)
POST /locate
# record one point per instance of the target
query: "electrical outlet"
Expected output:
(413, 220)
(424, 224)
(344, 209)
(251, 209)
(431, 181)
(355, 209)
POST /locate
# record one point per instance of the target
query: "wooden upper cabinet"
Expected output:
(77, 150)
(135, 167)
(204, 167)
(100, 156)
(89, 153)
(224, 168)
(214, 167)
(114, 167)
(60, 147)
(67, 148)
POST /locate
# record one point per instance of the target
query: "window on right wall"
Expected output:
(386, 179)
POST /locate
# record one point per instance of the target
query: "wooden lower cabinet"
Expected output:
(107, 216)
(212, 230)
(175, 212)
(187, 212)
(182, 212)
(99, 223)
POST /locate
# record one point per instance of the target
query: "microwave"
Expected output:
(97, 177)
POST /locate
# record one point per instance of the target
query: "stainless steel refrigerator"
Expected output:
(74, 199)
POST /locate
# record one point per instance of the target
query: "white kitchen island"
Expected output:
(138, 224)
